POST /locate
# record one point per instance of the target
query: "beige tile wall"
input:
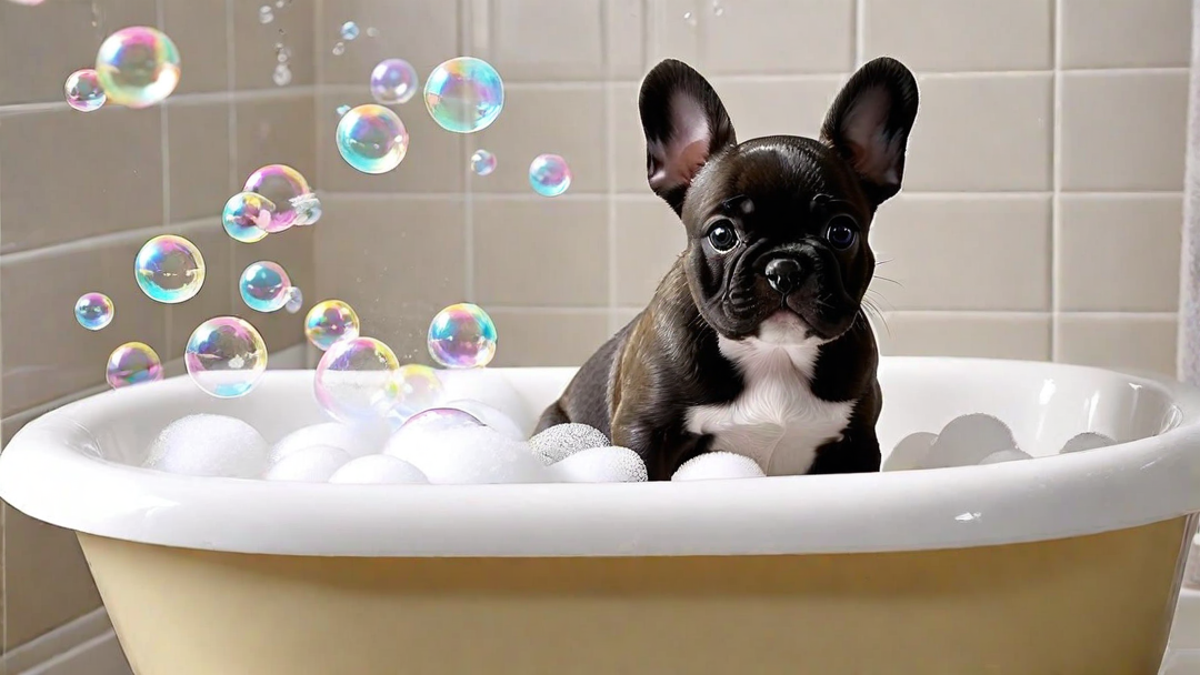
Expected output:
(80, 193)
(1040, 217)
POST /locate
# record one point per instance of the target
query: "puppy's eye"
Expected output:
(722, 237)
(841, 233)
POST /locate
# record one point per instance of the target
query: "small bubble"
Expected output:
(280, 3)
(283, 75)
(295, 300)
(689, 18)
(372, 32)
(283, 54)
(265, 14)
(343, 109)
(349, 31)
(339, 49)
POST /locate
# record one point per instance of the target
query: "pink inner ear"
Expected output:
(687, 149)
(875, 154)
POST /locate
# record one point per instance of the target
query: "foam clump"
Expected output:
(208, 445)
(909, 452)
(1005, 456)
(308, 465)
(605, 464)
(493, 417)
(355, 441)
(1088, 440)
(966, 440)
(718, 466)
(378, 470)
(560, 441)
(472, 455)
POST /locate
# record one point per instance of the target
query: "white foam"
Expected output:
(378, 469)
(309, 465)
(492, 389)
(208, 445)
(718, 466)
(1088, 440)
(600, 465)
(354, 440)
(909, 452)
(1005, 456)
(563, 440)
(473, 455)
(489, 415)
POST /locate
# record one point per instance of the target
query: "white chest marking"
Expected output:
(776, 421)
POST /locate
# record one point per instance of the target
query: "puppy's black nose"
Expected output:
(784, 275)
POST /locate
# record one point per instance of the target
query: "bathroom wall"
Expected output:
(1040, 216)
(80, 193)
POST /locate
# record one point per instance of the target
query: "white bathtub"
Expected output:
(1066, 563)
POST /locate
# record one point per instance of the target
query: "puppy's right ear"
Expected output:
(685, 125)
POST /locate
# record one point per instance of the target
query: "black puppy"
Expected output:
(755, 341)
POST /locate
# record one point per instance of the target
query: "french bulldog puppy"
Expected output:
(756, 341)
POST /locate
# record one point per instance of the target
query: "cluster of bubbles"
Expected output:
(136, 67)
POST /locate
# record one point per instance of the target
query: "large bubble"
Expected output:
(133, 363)
(462, 336)
(330, 321)
(464, 95)
(356, 380)
(226, 356)
(94, 311)
(169, 269)
(372, 139)
(282, 185)
(246, 217)
(84, 91)
(393, 81)
(265, 286)
(138, 66)
(549, 175)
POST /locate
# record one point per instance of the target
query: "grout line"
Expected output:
(107, 239)
(648, 197)
(610, 149)
(1056, 183)
(467, 34)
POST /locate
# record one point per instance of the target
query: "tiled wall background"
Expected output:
(1040, 216)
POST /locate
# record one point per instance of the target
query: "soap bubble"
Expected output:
(94, 311)
(424, 427)
(83, 90)
(342, 109)
(462, 336)
(133, 363)
(266, 14)
(464, 95)
(339, 48)
(491, 416)
(356, 440)
(246, 216)
(349, 30)
(280, 184)
(330, 321)
(549, 175)
(473, 455)
(265, 286)
(208, 445)
(308, 209)
(295, 300)
(372, 139)
(310, 465)
(393, 81)
(169, 269)
(372, 32)
(138, 66)
(356, 380)
(418, 389)
(378, 470)
(282, 76)
(226, 356)
(483, 162)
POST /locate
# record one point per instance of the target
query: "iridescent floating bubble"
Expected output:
(483, 162)
(265, 286)
(281, 184)
(462, 336)
(349, 31)
(372, 32)
(393, 81)
(266, 14)
(295, 300)
(84, 91)
(549, 175)
(169, 269)
(308, 209)
(441, 419)
(225, 356)
(419, 388)
(132, 363)
(282, 53)
(246, 217)
(464, 95)
(342, 109)
(372, 139)
(356, 380)
(138, 66)
(339, 48)
(282, 76)
(94, 311)
(328, 322)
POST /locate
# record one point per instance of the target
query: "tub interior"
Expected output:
(1045, 405)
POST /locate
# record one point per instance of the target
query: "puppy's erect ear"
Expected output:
(685, 124)
(869, 124)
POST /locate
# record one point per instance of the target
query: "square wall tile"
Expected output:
(436, 160)
(42, 45)
(275, 131)
(626, 43)
(1129, 341)
(566, 120)
(199, 160)
(47, 580)
(1123, 131)
(1125, 33)
(199, 30)
(674, 31)
(775, 36)
(47, 354)
(629, 141)
(537, 253)
(294, 250)
(55, 186)
(1120, 253)
(559, 338)
(998, 336)
(793, 107)
(397, 261)
(982, 133)
(650, 238)
(255, 56)
(216, 297)
(539, 40)
(422, 32)
(965, 253)
(961, 35)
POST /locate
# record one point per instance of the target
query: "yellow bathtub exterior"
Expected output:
(1090, 605)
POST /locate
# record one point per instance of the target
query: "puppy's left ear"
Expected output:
(869, 122)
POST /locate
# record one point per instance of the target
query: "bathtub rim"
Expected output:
(1052, 497)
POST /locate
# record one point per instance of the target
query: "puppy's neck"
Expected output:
(783, 342)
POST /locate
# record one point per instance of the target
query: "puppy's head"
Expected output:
(777, 226)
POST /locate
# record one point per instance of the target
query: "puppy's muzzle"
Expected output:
(785, 274)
